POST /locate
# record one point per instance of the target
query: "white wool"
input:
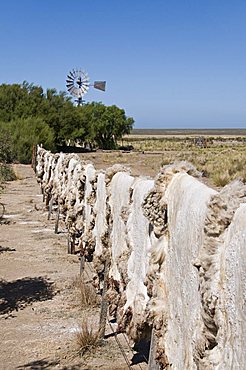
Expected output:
(67, 181)
(71, 167)
(185, 274)
(73, 199)
(47, 163)
(100, 211)
(40, 161)
(50, 179)
(231, 308)
(140, 244)
(90, 173)
(58, 175)
(233, 276)
(119, 198)
(78, 173)
(187, 201)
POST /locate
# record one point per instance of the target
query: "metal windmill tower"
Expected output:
(77, 83)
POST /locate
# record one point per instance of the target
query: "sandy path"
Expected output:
(38, 308)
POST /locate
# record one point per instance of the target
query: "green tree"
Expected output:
(29, 112)
(26, 132)
(107, 124)
(6, 144)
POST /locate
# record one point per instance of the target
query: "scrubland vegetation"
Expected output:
(6, 172)
(221, 159)
(29, 115)
(87, 336)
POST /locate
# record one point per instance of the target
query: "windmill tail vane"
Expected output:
(77, 84)
(100, 85)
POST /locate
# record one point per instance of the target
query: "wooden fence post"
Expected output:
(34, 157)
(104, 302)
(50, 207)
(71, 244)
(152, 364)
(57, 219)
(82, 265)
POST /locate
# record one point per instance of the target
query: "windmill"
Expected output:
(77, 83)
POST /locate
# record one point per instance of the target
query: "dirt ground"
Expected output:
(39, 310)
(140, 164)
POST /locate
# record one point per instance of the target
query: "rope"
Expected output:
(116, 338)
(132, 350)
(2, 211)
(85, 270)
(119, 345)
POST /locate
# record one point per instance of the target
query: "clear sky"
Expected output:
(168, 63)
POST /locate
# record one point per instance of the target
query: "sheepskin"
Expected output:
(139, 244)
(100, 214)
(119, 198)
(86, 241)
(175, 307)
(222, 279)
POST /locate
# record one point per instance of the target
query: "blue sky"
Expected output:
(168, 63)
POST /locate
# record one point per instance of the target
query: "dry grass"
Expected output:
(87, 339)
(86, 293)
(221, 161)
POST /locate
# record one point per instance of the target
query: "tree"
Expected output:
(107, 124)
(26, 109)
(23, 133)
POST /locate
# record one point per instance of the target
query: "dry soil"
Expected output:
(39, 310)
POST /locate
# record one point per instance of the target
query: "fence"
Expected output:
(168, 253)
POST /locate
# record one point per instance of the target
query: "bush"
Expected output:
(27, 132)
(6, 144)
(87, 338)
(86, 293)
(6, 155)
(6, 173)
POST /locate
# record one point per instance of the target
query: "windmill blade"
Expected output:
(84, 89)
(69, 83)
(70, 86)
(71, 76)
(77, 83)
(100, 85)
(73, 91)
(74, 73)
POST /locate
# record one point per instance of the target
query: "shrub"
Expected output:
(27, 132)
(6, 144)
(87, 339)
(87, 294)
(6, 154)
(221, 179)
(6, 173)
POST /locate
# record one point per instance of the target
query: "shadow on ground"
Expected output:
(45, 364)
(6, 249)
(18, 294)
(142, 349)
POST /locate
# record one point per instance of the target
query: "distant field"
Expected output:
(188, 132)
(220, 155)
